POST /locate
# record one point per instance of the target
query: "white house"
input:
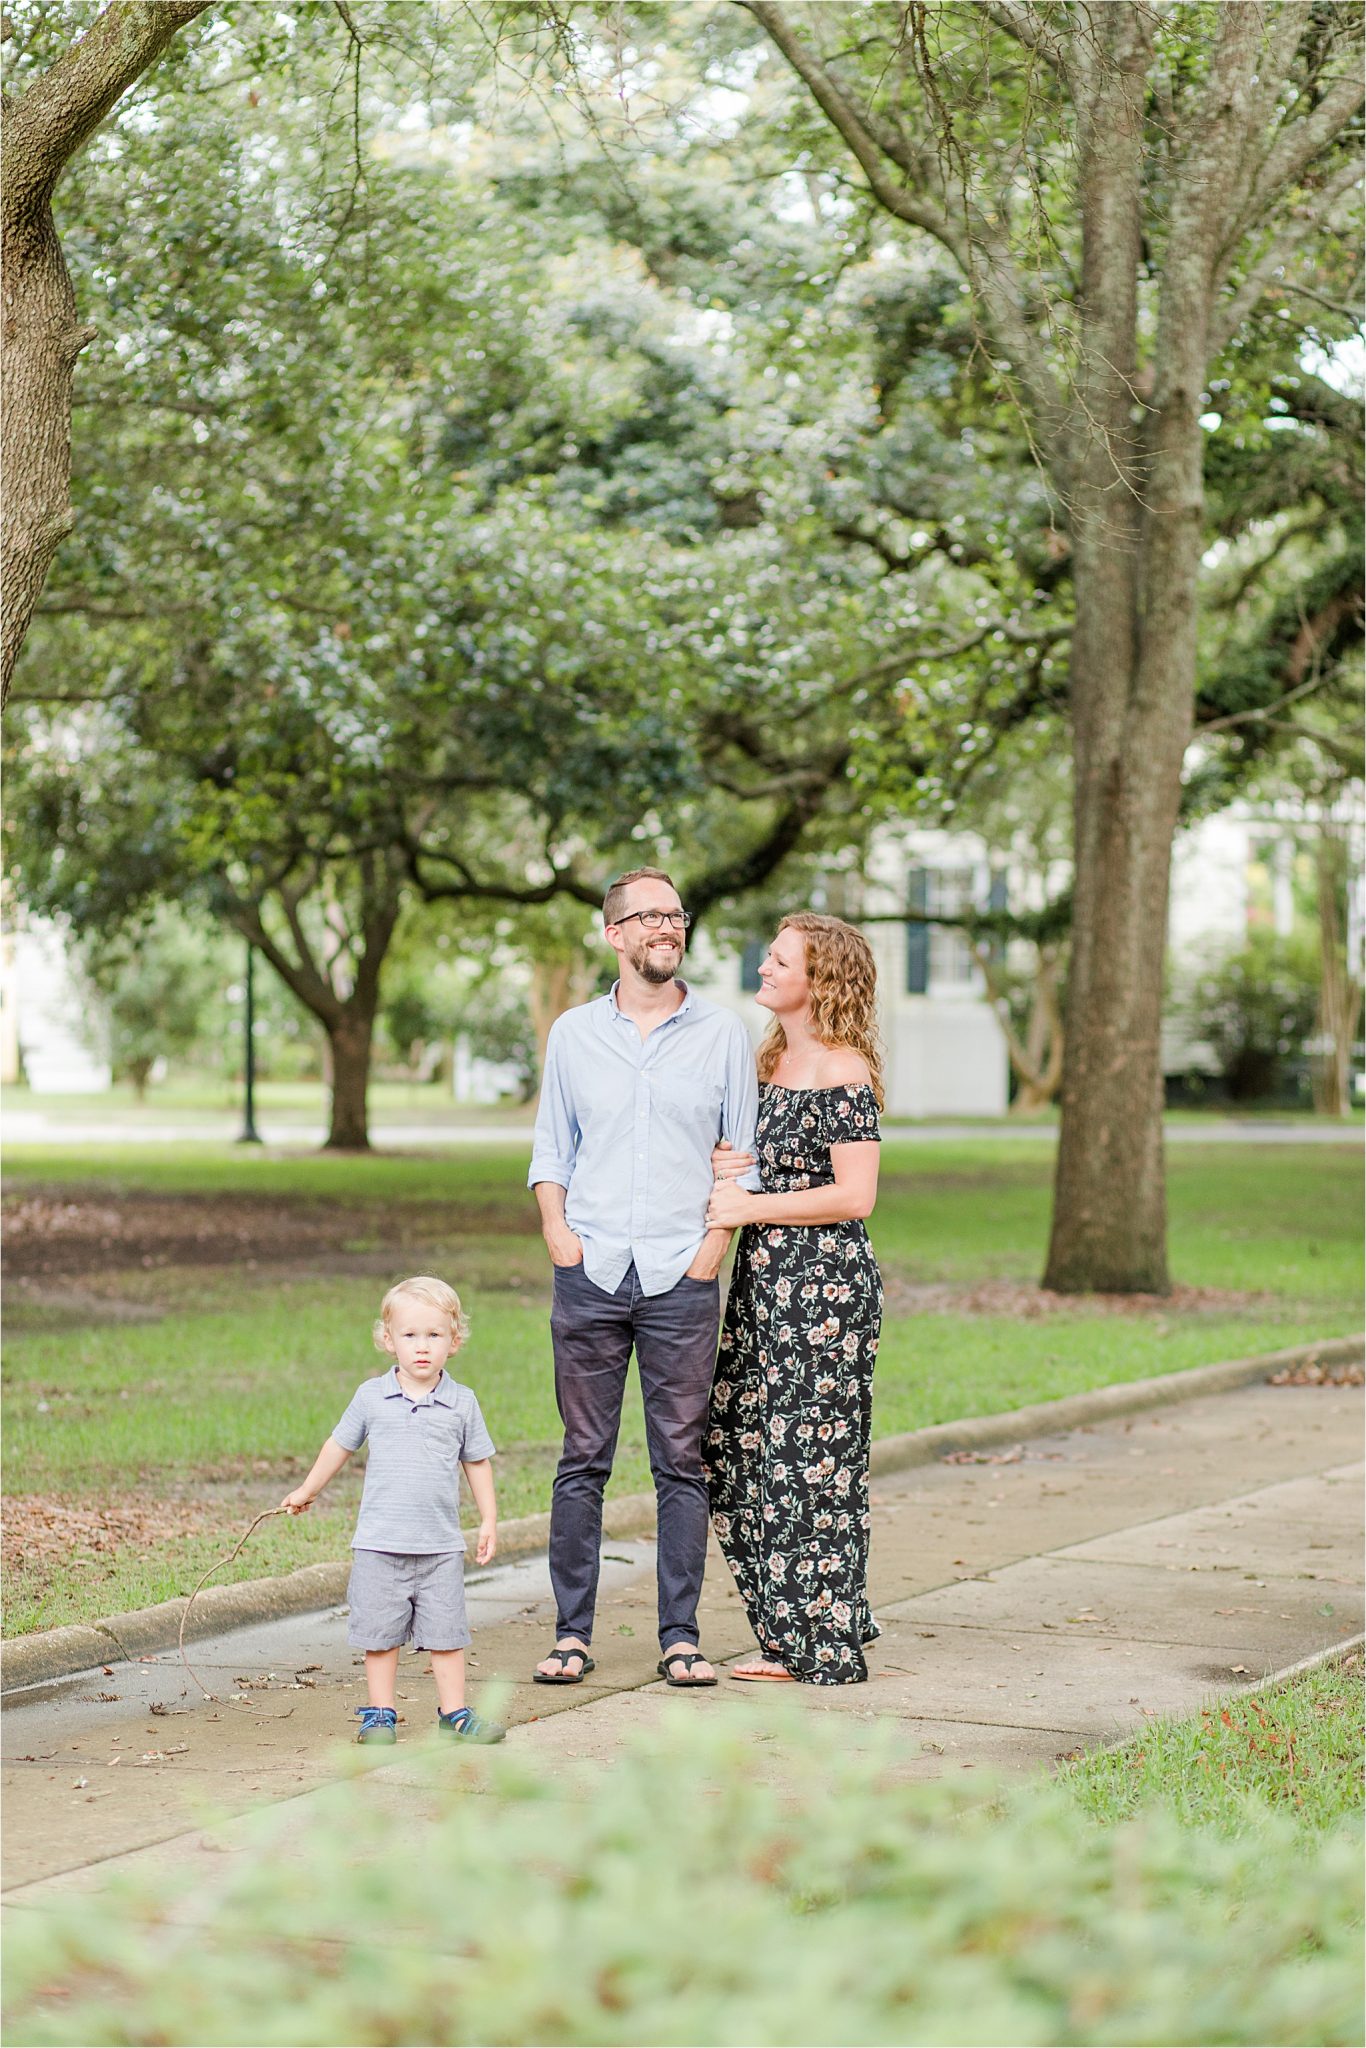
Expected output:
(46, 1015)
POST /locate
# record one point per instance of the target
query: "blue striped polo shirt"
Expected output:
(411, 1498)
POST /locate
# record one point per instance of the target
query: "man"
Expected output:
(638, 1087)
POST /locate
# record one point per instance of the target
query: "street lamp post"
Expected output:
(249, 1133)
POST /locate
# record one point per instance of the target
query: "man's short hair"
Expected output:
(614, 901)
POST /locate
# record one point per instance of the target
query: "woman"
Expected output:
(786, 1446)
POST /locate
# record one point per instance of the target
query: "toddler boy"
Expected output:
(407, 1569)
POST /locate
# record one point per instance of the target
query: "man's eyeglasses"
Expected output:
(655, 920)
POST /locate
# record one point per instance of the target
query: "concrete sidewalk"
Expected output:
(1044, 1599)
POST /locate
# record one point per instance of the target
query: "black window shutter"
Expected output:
(917, 935)
(998, 898)
(749, 964)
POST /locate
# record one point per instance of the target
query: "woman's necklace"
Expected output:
(797, 1069)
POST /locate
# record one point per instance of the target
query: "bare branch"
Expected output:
(1305, 291)
(980, 252)
(916, 209)
(1299, 143)
(1019, 636)
(1018, 19)
(1280, 251)
(470, 887)
(1261, 712)
(1220, 130)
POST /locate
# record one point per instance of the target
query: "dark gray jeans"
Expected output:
(674, 1337)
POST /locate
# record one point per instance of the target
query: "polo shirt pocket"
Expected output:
(443, 1436)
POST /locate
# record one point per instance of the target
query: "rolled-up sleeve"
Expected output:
(557, 1131)
(740, 1110)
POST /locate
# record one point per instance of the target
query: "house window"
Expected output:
(750, 961)
(949, 892)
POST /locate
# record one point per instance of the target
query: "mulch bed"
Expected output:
(49, 1235)
(1019, 1299)
(41, 1528)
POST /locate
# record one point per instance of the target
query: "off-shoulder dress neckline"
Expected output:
(829, 1088)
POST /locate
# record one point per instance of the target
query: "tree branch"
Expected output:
(1207, 180)
(1260, 712)
(1281, 250)
(1298, 144)
(854, 124)
(1019, 636)
(1306, 291)
(1018, 19)
(471, 888)
(746, 871)
(61, 110)
(980, 253)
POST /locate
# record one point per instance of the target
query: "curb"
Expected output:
(1100, 1404)
(123, 1638)
(63, 1652)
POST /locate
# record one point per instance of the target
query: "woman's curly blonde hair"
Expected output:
(843, 978)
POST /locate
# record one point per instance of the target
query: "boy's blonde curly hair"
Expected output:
(436, 1293)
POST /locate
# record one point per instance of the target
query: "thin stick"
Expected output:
(218, 1567)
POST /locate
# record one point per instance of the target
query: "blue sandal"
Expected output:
(377, 1724)
(465, 1725)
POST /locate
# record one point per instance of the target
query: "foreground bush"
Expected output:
(679, 1898)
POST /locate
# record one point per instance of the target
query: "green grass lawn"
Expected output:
(1295, 1747)
(222, 1395)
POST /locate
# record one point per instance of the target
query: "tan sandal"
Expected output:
(773, 1673)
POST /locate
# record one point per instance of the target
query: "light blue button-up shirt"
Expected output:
(626, 1126)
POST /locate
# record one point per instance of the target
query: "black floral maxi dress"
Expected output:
(786, 1444)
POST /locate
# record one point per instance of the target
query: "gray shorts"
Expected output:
(396, 1599)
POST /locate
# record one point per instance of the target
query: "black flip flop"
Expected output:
(562, 1676)
(688, 1659)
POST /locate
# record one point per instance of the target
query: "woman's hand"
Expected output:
(728, 1164)
(729, 1205)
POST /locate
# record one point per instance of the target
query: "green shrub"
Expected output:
(682, 1897)
(1255, 1008)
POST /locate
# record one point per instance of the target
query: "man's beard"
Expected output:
(656, 967)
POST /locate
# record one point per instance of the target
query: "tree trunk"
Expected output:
(1339, 990)
(349, 1040)
(1133, 693)
(556, 985)
(42, 336)
(345, 1004)
(1037, 1062)
(41, 342)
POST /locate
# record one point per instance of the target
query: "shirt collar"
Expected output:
(443, 1391)
(616, 1010)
